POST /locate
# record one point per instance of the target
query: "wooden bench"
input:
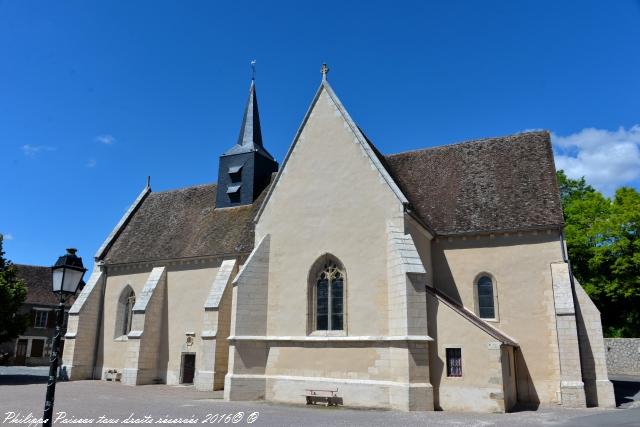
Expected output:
(329, 397)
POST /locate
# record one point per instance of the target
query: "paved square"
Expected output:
(79, 402)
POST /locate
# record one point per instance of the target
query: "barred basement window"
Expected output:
(328, 296)
(454, 362)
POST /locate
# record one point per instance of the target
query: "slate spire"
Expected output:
(245, 169)
(250, 137)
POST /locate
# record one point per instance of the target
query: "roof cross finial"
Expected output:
(253, 69)
(324, 70)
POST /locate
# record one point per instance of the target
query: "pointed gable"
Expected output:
(369, 151)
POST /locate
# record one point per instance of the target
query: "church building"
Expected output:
(434, 279)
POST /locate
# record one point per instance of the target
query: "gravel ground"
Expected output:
(86, 401)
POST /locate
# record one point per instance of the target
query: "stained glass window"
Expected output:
(486, 306)
(329, 298)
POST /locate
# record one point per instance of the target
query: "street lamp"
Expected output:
(66, 274)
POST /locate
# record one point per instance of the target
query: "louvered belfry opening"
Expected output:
(246, 168)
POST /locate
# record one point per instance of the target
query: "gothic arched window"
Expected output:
(125, 312)
(328, 295)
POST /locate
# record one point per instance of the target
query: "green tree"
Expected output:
(572, 188)
(603, 239)
(13, 292)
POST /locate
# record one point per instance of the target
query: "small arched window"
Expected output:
(328, 295)
(486, 298)
(125, 312)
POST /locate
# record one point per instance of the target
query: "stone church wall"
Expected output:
(187, 291)
(318, 208)
(112, 347)
(181, 316)
(598, 389)
(520, 265)
(481, 387)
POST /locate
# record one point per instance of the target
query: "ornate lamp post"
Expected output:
(67, 274)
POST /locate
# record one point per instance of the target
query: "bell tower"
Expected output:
(245, 169)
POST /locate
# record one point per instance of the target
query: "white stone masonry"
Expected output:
(247, 360)
(82, 329)
(143, 346)
(571, 385)
(212, 365)
(407, 314)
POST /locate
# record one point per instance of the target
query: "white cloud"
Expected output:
(7, 236)
(91, 163)
(31, 150)
(607, 159)
(106, 139)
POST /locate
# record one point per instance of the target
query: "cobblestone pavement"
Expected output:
(86, 401)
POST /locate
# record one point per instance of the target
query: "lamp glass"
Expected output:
(57, 279)
(71, 280)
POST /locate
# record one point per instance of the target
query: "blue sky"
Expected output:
(95, 96)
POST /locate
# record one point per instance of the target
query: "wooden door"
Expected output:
(21, 352)
(37, 348)
(188, 369)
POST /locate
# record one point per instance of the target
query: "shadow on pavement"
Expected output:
(524, 407)
(22, 379)
(625, 389)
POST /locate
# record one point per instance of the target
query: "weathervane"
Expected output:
(324, 70)
(253, 69)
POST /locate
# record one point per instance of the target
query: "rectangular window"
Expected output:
(40, 320)
(37, 347)
(454, 362)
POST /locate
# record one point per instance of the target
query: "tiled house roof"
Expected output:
(38, 282)
(494, 184)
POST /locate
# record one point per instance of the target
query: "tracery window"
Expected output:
(328, 291)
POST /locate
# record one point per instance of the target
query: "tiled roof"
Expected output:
(182, 224)
(472, 317)
(39, 283)
(494, 184)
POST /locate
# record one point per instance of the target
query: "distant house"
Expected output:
(33, 347)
